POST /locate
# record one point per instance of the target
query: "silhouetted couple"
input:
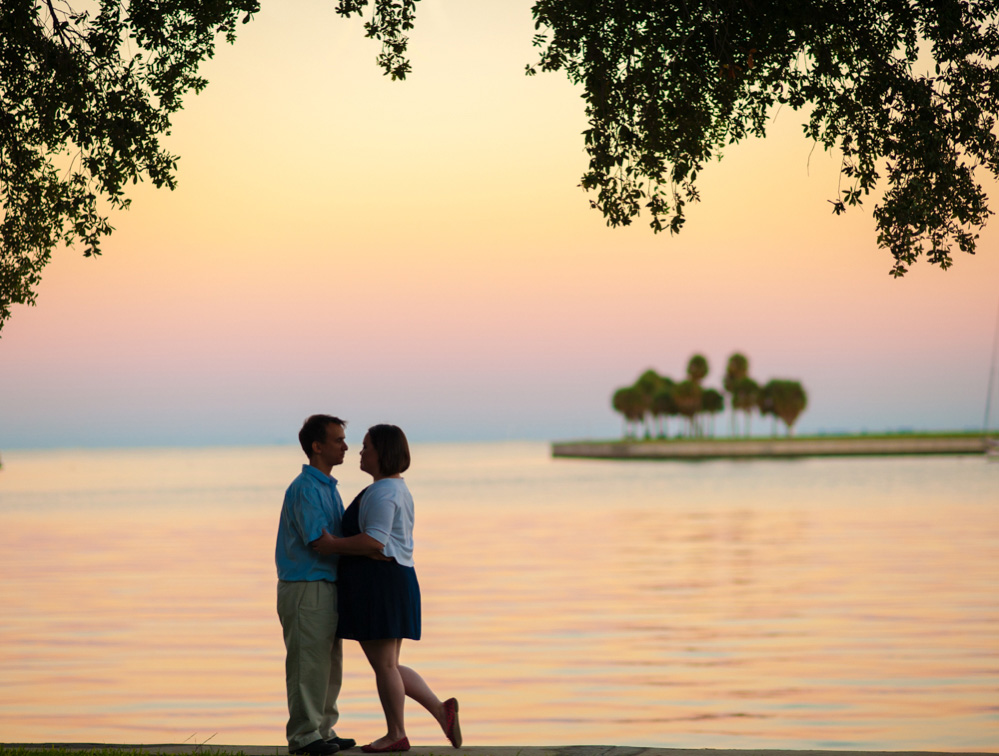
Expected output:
(350, 574)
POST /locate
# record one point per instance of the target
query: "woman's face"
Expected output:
(369, 457)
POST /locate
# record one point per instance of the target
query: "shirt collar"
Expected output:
(310, 470)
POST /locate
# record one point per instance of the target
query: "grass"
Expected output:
(60, 749)
(109, 751)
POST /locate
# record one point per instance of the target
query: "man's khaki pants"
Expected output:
(314, 662)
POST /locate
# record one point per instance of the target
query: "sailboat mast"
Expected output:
(992, 376)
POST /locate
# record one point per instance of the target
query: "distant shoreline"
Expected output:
(880, 445)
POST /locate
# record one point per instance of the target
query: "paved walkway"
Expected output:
(443, 750)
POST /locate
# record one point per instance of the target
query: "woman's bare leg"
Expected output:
(383, 656)
(419, 691)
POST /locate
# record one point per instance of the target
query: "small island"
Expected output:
(888, 444)
(654, 405)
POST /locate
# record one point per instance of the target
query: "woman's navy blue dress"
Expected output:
(375, 599)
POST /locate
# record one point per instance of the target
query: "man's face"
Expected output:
(331, 450)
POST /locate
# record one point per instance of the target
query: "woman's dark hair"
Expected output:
(314, 429)
(390, 445)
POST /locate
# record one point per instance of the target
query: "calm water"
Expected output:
(816, 604)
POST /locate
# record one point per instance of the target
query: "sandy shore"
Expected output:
(443, 750)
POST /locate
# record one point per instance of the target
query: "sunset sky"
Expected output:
(419, 252)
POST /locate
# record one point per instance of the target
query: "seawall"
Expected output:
(781, 448)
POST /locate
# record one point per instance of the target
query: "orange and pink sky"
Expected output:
(419, 252)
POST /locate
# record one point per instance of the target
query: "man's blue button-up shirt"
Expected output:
(311, 503)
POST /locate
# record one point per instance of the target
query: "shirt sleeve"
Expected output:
(310, 516)
(377, 513)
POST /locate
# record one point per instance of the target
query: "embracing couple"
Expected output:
(349, 574)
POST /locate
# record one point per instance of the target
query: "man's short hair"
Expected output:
(392, 448)
(314, 429)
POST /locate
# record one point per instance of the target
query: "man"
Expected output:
(307, 592)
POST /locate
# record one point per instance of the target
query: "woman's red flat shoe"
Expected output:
(451, 727)
(399, 745)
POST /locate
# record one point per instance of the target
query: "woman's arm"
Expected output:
(356, 545)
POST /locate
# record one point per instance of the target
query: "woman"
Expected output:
(378, 593)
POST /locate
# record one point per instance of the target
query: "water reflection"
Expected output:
(815, 604)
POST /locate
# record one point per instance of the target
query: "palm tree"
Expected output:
(736, 370)
(654, 398)
(648, 385)
(745, 398)
(664, 406)
(737, 367)
(619, 402)
(630, 403)
(697, 368)
(790, 400)
(765, 404)
(712, 402)
(687, 395)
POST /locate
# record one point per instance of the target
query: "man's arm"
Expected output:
(309, 512)
(356, 545)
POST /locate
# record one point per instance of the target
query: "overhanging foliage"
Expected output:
(669, 83)
(86, 94)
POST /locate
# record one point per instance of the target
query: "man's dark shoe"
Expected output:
(317, 748)
(344, 744)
